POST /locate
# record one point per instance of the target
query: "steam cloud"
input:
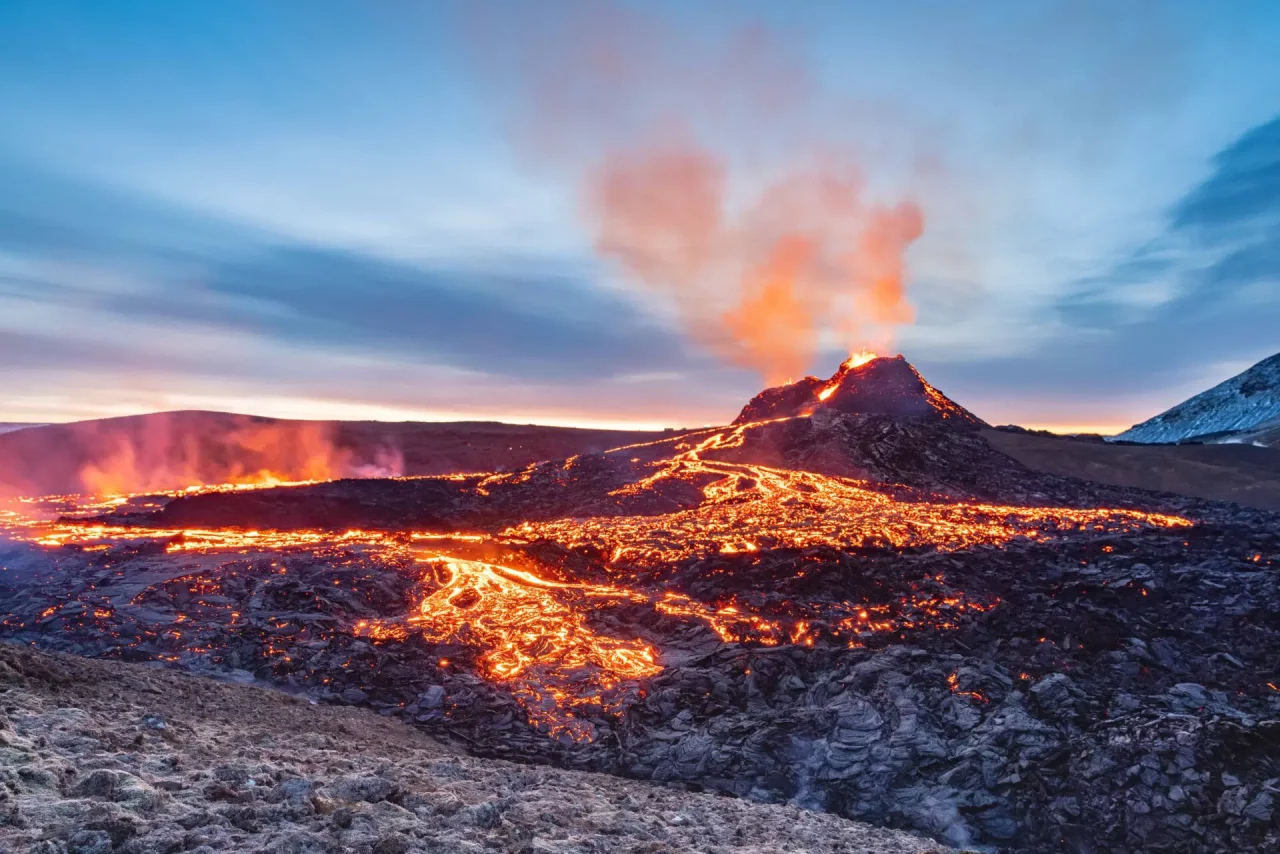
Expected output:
(175, 450)
(700, 176)
(244, 452)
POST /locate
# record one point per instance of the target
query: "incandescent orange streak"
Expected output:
(857, 360)
(535, 636)
(953, 682)
(748, 506)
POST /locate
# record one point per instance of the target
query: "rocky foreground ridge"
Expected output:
(99, 756)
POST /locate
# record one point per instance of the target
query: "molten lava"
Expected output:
(864, 383)
(535, 628)
(857, 360)
(535, 638)
(750, 507)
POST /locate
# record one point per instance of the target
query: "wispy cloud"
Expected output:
(259, 202)
(1197, 301)
(100, 288)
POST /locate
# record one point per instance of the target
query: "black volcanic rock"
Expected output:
(881, 386)
(912, 458)
(921, 454)
(1117, 698)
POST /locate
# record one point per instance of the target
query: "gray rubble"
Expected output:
(99, 757)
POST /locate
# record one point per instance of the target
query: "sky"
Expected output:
(374, 209)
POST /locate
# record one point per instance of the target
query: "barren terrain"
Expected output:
(835, 605)
(1245, 474)
(105, 756)
(887, 620)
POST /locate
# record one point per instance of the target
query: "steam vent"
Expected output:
(864, 384)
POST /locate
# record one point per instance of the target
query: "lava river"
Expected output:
(538, 628)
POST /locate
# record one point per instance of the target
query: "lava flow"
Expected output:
(532, 627)
(535, 638)
(749, 507)
(855, 360)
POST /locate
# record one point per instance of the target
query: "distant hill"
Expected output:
(10, 426)
(1223, 472)
(172, 450)
(1245, 408)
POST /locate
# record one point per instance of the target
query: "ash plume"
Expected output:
(701, 177)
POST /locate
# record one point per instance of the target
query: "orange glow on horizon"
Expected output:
(664, 411)
(1067, 429)
(321, 411)
(340, 410)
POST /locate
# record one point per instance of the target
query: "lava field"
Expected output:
(879, 617)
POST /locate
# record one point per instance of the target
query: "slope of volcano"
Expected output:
(1233, 410)
(863, 384)
(1242, 473)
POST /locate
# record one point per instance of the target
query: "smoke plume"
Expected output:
(702, 178)
(175, 450)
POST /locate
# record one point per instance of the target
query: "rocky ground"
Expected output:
(99, 756)
(1117, 690)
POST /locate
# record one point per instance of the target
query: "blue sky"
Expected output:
(318, 208)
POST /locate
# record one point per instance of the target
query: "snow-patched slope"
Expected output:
(1238, 404)
(1266, 434)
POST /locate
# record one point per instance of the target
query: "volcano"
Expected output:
(850, 600)
(865, 386)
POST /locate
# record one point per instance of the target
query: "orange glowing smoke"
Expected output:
(228, 450)
(703, 179)
(759, 287)
(774, 326)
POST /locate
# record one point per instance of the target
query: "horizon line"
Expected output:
(575, 423)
